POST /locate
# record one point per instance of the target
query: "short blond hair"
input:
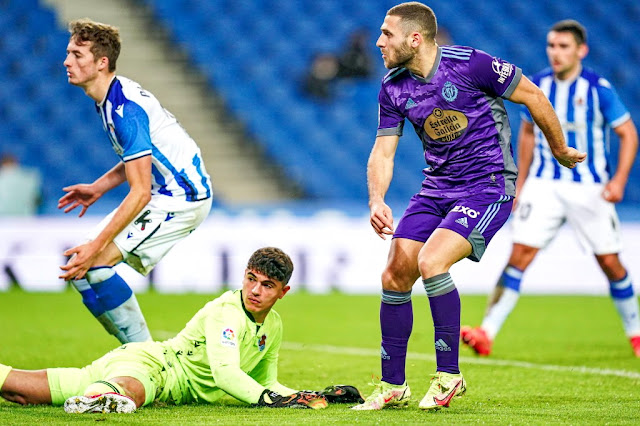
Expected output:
(415, 16)
(105, 39)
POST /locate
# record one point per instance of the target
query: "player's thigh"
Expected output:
(67, 382)
(539, 213)
(593, 218)
(160, 226)
(444, 248)
(420, 219)
(142, 361)
(476, 218)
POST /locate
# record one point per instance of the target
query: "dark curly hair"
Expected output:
(105, 38)
(272, 262)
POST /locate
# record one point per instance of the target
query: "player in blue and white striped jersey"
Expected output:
(588, 107)
(169, 188)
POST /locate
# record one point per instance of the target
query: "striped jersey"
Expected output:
(138, 125)
(458, 113)
(587, 108)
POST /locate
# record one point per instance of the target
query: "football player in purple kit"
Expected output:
(452, 95)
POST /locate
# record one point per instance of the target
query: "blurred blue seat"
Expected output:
(255, 53)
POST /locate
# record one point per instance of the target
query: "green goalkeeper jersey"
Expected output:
(223, 350)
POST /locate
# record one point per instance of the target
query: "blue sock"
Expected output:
(89, 297)
(511, 278)
(120, 304)
(92, 302)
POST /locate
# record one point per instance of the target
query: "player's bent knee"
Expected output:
(397, 281)
(132, 388)
(429, 269)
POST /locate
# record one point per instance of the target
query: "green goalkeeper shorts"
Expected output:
(143, 361)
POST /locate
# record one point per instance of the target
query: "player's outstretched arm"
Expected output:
(545, 117)
(86, 194)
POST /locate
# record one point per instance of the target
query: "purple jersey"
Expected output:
(458, 113)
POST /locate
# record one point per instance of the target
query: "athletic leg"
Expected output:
(396, 323)
(119, 303)
(444, 248)
(396, 312)
(116, 395)
(507, 290)
(110, 299)
(623, 296)
(440, 252)
(24, 386)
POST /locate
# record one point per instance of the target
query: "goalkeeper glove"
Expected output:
(337, 394)
(296, 400)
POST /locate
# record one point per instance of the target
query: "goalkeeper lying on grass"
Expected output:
(229, 347)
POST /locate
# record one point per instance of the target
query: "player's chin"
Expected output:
(252, 305)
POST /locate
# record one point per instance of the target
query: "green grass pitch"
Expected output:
(559, 360)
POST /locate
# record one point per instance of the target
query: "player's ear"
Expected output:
(583, 50)
(416, 39)
(285, 289)
(103, 63)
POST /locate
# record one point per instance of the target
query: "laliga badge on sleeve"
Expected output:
(228, 337)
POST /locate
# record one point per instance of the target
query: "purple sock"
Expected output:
(444, 301)
(396, 323)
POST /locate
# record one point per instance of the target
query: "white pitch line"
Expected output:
(345, 350)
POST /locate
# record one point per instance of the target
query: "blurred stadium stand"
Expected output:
(255, 54)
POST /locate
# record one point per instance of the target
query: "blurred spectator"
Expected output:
(20, 188)
(323, 71)
(355, 61)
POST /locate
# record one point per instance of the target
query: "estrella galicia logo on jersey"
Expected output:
(445, 125)
(262, 342)
(466, 210)
(410, 104)
(503, 69)
(228, 337)
(449, 91)
(143, 220)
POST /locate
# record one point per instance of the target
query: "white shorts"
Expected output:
(161, 224)
(544, 205)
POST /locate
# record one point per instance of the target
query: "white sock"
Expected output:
(498, 313)
(626, 303)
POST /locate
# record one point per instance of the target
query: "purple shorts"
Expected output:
(476, 217)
